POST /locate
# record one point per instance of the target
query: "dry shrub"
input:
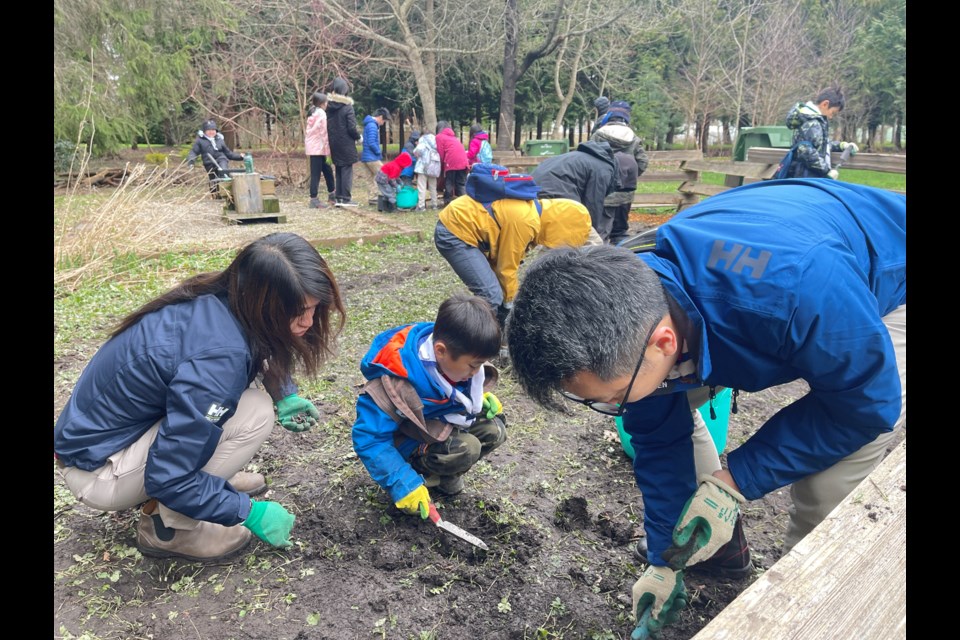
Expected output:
(91, 229)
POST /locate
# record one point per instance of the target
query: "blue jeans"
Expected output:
(470, 265)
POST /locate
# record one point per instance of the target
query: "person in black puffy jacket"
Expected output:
(343, 135)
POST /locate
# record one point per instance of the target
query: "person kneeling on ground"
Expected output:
(182, 395)
(388, 180)
(426, 414)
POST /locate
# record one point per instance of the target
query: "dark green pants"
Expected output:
(455, 455)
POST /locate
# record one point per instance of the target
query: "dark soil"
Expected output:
(556, 504)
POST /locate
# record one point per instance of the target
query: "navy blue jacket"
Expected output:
(184, 365)
(781, 280)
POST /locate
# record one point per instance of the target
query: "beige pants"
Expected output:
(118, 484)
(705, 456)
(425, 182)
(815, 496)
(373, 168)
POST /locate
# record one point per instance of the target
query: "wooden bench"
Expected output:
(749, 171)
(846, 579)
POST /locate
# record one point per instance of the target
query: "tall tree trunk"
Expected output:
(517, 132)
(897, 133)
(539, 126)
(508, 96)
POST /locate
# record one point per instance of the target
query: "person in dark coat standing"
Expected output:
(343, 135)
(588, 175)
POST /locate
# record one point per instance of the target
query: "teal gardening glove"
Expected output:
(296, 414)
(270, 522)
(706, 523)
(491, 406)
(658, 597)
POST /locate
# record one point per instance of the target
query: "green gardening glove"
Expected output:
(270, 522)
(658, 597)
(706, 523)
(296, 414)
(491, 406)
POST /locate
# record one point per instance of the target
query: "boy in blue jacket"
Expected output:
(372, 154)
(752, 288)
(426, 414)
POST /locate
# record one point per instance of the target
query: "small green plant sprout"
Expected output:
(557, 608)
(313, 619)
(504, 605)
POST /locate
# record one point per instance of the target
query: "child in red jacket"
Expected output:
(453, 159)
(388, 180)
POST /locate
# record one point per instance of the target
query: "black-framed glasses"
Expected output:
(611, 408)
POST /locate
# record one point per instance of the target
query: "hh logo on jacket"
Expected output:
(215, 412)
(737, 257)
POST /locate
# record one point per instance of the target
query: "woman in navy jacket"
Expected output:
(180, 398)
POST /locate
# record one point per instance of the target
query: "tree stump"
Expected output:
(247, 197)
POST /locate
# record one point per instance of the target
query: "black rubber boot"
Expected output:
(732, 560)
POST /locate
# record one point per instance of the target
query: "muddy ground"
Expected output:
(557, 505)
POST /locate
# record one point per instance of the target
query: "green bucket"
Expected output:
(717, 427)
(407, 197)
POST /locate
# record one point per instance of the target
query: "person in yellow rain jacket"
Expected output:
(485, 247)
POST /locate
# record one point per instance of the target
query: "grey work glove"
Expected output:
(833, 174)
(850, 145)
(658, 597)
(706, 523)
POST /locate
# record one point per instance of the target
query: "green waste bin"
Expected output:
(776, 137)
(545, 147)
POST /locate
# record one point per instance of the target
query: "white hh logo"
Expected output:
(215, 412)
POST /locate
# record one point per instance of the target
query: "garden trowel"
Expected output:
(434, 516)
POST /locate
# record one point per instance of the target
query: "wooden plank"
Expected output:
(237, 218)
(662, 176)
(656, 199)
(701, 188)
(271, 204)
(846, 579)
(247, 197)
(268, 187)
(886, 162)
(674, 156)
(733, 168)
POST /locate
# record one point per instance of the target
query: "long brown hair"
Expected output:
(267, 285)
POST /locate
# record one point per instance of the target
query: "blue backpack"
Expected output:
(487, 182)
(485, 155)
(783, 171)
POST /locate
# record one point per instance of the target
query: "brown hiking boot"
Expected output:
(252, 484)
(208, 542)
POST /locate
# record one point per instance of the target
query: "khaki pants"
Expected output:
(118, 484)
(706, 460)
(373, 168)
(425, 182)
(815, 496)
